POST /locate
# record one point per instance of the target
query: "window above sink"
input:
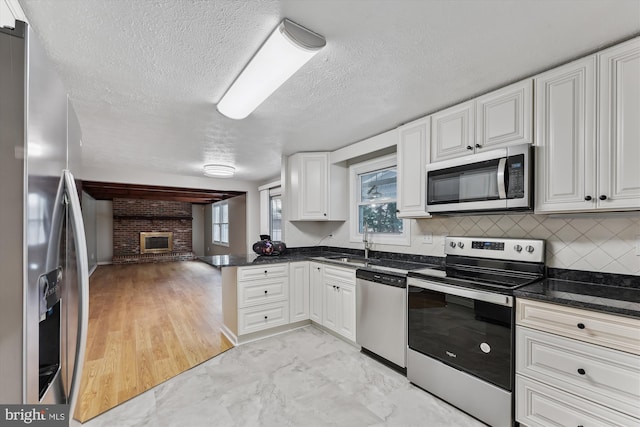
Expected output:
(373, 199)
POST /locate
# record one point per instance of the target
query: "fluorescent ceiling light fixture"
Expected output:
(286, 50)
(219, 171)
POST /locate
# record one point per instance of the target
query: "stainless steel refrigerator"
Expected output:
(43, 259)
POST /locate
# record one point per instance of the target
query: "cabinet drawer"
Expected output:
(618, 332)
(262, 291)
(602, 375)
(538, 405)
(263, 271)
(345, 274)
(260, 317)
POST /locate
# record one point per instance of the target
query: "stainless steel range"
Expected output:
(461, 323)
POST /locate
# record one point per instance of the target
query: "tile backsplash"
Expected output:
(602, 243)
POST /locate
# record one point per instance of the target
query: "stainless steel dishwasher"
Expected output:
(381, 316)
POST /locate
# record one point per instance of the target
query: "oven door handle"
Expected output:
(505, 300)
(502, 188)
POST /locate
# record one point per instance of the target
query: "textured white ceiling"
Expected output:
(144, 75)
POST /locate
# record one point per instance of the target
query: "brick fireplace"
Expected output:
(158, 222)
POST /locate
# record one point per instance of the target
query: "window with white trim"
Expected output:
(220, 223)
(271, 210)
(374, 203)
(275, 217)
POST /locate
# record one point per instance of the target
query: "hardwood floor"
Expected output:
(147, 323)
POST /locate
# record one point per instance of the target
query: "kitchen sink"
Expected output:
(355, 261)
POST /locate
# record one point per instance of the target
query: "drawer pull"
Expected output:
(582, 371)
(265, 292)
(265, 317)
(580, 325)
(265, 272)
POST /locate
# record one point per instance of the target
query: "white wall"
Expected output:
(104, 231)
(197, 229)
(90, 231)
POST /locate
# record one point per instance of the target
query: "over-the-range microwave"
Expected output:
(494, 181)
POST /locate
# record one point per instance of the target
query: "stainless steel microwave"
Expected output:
(493, 181)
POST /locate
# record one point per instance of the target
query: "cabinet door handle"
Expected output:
(469, 147)
(324, 214)
(580, 325)
(582, 371)
(603, 197)
(478, 146)
(588, 198)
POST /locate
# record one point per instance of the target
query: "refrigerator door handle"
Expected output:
(55, 233)
(75, 215)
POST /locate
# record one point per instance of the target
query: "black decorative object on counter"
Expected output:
(267, 247)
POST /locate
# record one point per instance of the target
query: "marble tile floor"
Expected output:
(305, 377)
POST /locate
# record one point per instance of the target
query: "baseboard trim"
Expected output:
(257, 336)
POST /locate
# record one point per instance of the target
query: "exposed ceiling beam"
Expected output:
(109, 191)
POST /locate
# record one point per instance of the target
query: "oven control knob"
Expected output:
(529, 248)
(452, 244)
(460, 245)
(517, 248)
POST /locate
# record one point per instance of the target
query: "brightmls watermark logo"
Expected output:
(34, 415)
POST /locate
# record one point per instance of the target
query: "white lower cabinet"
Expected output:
(339, 302)
(287, 293)
(316, 291)
(539, 405)
(567, 374)
(262, 297)
(298, 291)
(260, 317)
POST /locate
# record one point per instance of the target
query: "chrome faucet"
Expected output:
(365, 240)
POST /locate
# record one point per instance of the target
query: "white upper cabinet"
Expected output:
(578, 169)
(504, 116)
(317, 189)
(497, 119)
(452, 132)
(565, 137)
(413, 156)
(619, 125)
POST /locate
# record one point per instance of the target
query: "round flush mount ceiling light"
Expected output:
(219, 171)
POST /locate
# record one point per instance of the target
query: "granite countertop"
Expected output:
(400, 262)
(605, 297)
(605, 292)
(253, 259)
